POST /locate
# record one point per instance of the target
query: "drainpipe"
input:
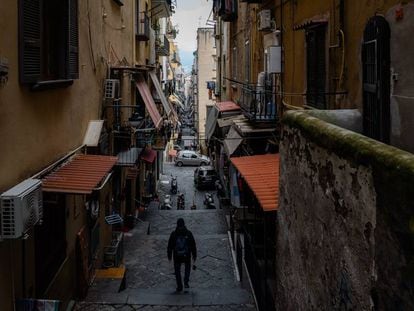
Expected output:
(282, 75)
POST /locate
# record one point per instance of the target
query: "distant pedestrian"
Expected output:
(181, 247)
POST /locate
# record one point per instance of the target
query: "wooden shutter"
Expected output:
(72, 60)
(376, 79)
(30, 16)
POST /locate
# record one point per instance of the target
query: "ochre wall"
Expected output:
(37, 128)
(356, 15)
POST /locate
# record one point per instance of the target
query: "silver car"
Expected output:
(189, 157)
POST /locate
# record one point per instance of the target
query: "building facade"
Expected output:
(206, 76)
(83, 81)
(349, 62)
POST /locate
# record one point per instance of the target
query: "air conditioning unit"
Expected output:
(111, 89)
(264, 20)
(21, 208)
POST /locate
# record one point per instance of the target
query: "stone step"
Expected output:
(168, 297)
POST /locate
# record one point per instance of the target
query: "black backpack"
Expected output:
(182, 248)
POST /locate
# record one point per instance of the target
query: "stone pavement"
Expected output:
(150, 282)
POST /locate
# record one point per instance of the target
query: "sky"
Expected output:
(189, 15)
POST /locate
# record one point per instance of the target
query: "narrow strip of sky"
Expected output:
(190, 15)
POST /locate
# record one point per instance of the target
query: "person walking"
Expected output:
(181, 247)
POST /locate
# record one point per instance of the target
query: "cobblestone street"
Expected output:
(150, 281)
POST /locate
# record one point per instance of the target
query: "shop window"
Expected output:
(48, 42)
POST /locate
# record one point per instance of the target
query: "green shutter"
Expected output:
(30, 14)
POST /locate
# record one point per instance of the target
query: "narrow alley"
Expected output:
(150, 281)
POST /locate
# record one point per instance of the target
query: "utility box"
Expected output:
(273, 56)
(264, 20)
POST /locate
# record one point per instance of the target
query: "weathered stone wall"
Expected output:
(344, 239)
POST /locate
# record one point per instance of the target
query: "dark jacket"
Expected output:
(173, 238)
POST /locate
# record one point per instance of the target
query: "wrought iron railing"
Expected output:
(162, 45)
(123, 116)
(259, 103)
(143, 27)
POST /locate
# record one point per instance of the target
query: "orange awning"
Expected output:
(80, 175)
(261, 173)
(152, 109)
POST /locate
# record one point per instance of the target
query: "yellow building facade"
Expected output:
(54, 62)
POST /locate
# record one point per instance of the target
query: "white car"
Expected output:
(189, 157)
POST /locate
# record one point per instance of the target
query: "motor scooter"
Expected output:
(180, 201)
(166, 204)
(209, 201)
(174, 186)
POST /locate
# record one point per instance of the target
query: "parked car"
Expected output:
(189, 157)
(205, 176)
(177, 147)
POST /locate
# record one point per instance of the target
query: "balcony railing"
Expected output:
(143, 27)
(161, 8)
(258, 103)
(162, 45)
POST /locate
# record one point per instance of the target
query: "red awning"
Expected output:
(80, 175)
(152, 109)
(261, 173)
(148, 155)
(227, 106)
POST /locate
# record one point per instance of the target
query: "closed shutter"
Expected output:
(30, 16)
(73, 41)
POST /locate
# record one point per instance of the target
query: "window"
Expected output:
(234, 63)
(48, 42)
(315, 66)
(376, 79)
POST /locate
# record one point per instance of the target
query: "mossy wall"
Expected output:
(345, 220)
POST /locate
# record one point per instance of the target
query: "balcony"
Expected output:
(258, 103)
(143, 27)
(162, 45)
(161, 8)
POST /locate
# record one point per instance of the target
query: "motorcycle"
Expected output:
(209, 201)
(174, 186)
(166, 204)
(181, 201)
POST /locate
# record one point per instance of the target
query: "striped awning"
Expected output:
(152, 109)
(80, 175)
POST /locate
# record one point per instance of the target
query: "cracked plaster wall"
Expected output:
(343, 241)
